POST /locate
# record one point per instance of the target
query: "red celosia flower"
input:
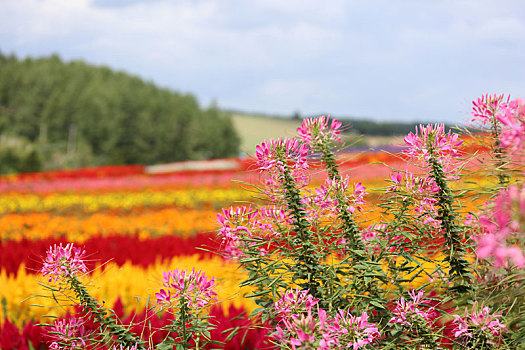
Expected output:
(10, 337)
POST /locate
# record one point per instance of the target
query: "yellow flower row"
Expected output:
(137, 286)
(23, 203)
(26, 299)
(75, 228)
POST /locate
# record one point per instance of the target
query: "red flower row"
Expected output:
(119, 249)
(233, 329)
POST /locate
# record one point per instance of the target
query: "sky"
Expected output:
(384, 60)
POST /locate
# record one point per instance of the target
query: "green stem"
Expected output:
(306, 267)
(349, 226)
(498, 153)
(184, 315)
(107, 323)
(459, 266)
(361, 281)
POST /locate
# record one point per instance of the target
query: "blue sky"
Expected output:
(413, 60)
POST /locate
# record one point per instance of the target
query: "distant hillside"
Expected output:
(77, 114)
(253, 129)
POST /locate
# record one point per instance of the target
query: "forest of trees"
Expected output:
(56, 114)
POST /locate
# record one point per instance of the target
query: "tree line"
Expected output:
(57, 114)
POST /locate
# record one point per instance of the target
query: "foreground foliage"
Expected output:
(424, 274)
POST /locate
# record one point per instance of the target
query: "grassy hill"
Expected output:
(253, 129)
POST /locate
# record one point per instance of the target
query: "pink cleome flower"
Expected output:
(274, 157)
(329, 195)
(318, 131)
(63, 261)
(513, 132)
(305, 331)
(68, 334)
(507, 115)
(499, 227)
(294, 302)
(423, 191)
(193, 288)
(355, 331)
(237, 224)
(432, 141)
(489, 108)
(122, 347)
(478, 323)
(406, 313)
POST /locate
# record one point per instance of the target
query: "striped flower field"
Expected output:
(134, 225)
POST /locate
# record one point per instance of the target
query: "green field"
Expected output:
(253, 129)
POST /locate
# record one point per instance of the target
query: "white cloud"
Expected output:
(348, 57)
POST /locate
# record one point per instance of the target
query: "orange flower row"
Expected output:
(78, 228)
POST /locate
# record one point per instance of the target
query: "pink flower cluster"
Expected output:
(505, 113)
(294, 302)
(300, 328)
(329, 194)
(422, 190)
(478, 323)
(503, 225)
(193, 288)
(406, 313)
(324, 202)
(432, 141)
(242, 223)
(319, 131)
(355, 331)
(490, 108)
(68, 334)
(122, 347)
(277, 156)
(513, 133)
(63, 261)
